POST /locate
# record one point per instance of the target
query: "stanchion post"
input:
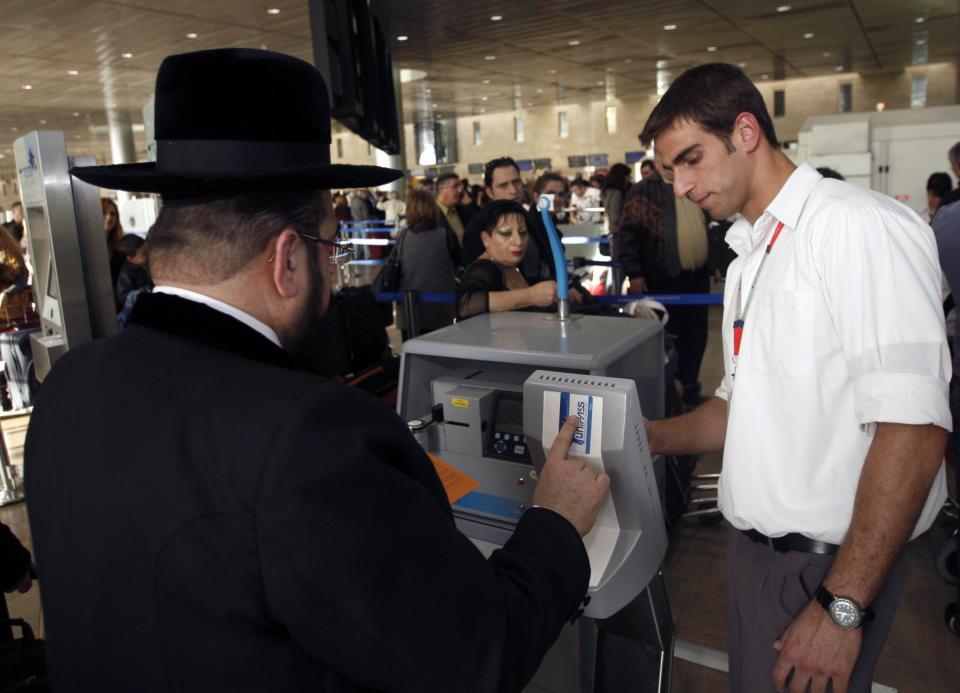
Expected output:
(9, 491)
(411, 312)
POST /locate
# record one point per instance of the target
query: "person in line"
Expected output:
(341, 208)
(16, 574)
(828, 172)
(614, 195)
(430, 260)
(393, 208)
(450, 212)
(648, 169)
(946, 229)
(583, 198)
(15, 297)
(494, 282)
(953, 156)
(113, 231)
(832, 413)
(15, 225)
(938, 189)
(133, 276)
(663, 248)
(263, 527)
(501, 181)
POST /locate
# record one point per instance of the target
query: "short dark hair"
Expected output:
(209, 241)
(548, 178)
(130, 244)
(443, 178)
(491, 212)
(647, 162)
(492, 165)
(953, 154)
(939, 184)
(578, 181)
(618, 177)
(828, 172)
(712, 96)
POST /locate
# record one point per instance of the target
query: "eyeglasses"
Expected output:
(339, 251)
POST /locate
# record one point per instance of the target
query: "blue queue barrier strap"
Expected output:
(583, 240)
(355, 232)
(363, 224)
(665, 299)
(365, 263)
(601, 263)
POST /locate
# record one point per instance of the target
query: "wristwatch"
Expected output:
(844, 611)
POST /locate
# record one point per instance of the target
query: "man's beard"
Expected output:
(307, 341)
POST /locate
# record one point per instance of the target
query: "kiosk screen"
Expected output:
(505, 438)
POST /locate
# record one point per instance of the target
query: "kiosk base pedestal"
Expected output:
(631, 651)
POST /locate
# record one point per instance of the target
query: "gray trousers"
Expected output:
(766, 590)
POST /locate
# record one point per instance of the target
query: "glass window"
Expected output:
(779, 103)
(339, 147)
(846, 98)
(518, 129)
(611, 119)
(477, 137)
(918, 91)
(562, 125)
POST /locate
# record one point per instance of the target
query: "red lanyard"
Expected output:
(740, 317)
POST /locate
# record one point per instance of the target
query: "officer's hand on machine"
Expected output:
(568, 486)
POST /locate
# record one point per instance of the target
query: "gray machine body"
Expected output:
(641, 533)
(63, 223)
(477, 369)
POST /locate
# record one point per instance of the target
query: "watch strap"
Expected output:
(825, 598)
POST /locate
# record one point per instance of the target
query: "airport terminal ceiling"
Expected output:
(66, 62)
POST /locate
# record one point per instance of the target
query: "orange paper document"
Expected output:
(455, 483)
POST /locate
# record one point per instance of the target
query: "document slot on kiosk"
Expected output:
(629, 540)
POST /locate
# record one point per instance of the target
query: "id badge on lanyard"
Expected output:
(740, 316)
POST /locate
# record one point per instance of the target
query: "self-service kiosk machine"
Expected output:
(497, 387)
(63, 223)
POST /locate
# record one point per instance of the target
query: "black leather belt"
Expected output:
(791, 542)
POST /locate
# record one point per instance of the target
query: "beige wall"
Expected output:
(588, 135)
(821, 95)
(356, 150)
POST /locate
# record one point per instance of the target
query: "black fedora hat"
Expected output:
(235, 120)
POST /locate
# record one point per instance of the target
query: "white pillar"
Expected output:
(122, 148)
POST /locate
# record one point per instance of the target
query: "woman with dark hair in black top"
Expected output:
(494, 283)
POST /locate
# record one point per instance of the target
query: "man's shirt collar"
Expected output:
(743, 237)
(234, 312)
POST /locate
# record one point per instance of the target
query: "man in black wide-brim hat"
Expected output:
(208, 515)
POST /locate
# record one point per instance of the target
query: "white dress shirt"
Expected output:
(225, 308)
(846, 330)
(590, 200)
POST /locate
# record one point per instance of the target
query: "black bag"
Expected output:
(23, 662)
(355, 331)
(388, 281)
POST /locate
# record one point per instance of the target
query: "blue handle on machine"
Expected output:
(559, 259)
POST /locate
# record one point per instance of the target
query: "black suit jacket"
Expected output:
(206, 517)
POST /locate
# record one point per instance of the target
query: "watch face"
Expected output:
(845, 613)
